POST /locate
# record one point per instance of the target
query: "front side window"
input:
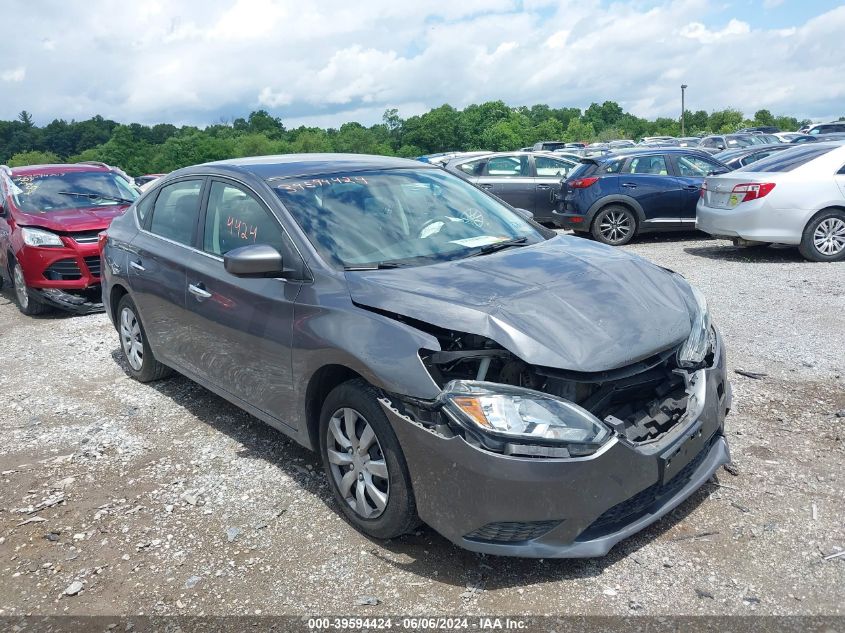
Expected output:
(508, 166)
(176, 211)
(398, 217)
(43, 193)
(552, 167)
(694, 166)
(236, 218)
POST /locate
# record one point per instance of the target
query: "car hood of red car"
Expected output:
(71, 220)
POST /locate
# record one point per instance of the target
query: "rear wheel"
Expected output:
(143, 365)
(26, 304)
(615, 225)
(364, 462)
(824, 237)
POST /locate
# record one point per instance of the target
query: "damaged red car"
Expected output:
(50, 219)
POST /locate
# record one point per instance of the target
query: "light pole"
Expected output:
(683, 87)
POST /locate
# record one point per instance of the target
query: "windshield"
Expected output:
(42, 193)
(402, 216)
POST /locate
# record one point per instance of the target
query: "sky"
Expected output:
(325, 63)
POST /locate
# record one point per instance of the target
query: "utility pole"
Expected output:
(683, 87)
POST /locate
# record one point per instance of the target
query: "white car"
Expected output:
(796, 196)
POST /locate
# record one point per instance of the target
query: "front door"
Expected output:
(509, 178)
(648, 181)
(691, 171)
(240, 327)
(157, 266)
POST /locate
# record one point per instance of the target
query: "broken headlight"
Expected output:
(516, 414)
(695, 348)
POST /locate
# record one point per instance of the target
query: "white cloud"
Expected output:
(199, 60)
(14, 74)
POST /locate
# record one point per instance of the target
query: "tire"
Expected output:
(823, 239)
(27, 304)
(139, 358)
(378, 501)
(615, 225)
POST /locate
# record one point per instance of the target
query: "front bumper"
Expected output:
(755, 221)
(66, 277)
(556, 508)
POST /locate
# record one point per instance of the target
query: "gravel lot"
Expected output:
(165, 499)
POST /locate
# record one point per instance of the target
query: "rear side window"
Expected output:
(582, 170)
(653, 165)
(143, 209)
(176, 211)
(473, 167)
(787, 160)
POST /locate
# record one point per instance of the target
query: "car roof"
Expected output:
(640, 151)
(55, 168)
(302, 165)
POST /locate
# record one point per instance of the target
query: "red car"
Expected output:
(50, 218)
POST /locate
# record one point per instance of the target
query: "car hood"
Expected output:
(70, 220)
(565, 303)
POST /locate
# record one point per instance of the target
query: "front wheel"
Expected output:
(26, 304)
(364, 462)
(824, 237)
(143, 365)
(615, 225)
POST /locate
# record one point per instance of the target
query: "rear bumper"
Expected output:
(571, 221)
(756, 221)
(554, 508)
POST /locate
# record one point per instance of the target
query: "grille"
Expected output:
(508, 532)
(85, 237)
(63, 270)
(632, 509)
(93, 263)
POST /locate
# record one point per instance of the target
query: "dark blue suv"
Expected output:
(614, 197)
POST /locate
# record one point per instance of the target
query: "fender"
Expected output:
(626, 200)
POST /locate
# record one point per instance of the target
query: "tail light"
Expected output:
(753, 190)
(102, 238)
(703, 189)
(582, 183)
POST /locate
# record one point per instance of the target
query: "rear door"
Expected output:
(548, 173)
(241, 327)
(649, 181)
(157, 266)
(691, 170)
(509, 177)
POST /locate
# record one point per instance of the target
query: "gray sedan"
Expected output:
(525, 180)
(523, 393)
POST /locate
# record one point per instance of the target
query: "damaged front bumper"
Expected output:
(562, 508)
(78, 301)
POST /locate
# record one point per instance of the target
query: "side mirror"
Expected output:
(525, 213)
(256, 260)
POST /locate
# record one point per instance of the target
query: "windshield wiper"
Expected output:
(96, 196)
(377, 266)
(497, 246)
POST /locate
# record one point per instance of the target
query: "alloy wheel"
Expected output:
(20, 287)
(829, 236)
(357, 463)
(131, 339)
(615, 226)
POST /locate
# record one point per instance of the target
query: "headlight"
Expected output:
(38, 237)
(514, 413)
(695, 348)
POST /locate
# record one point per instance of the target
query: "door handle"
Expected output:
(692, 187)
(630, 185)
(543, 187)
(486, 186)
(137, 266)
(199, 292)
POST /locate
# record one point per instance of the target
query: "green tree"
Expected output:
(33, 158)
(579, 132)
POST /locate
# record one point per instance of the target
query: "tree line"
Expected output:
(141, 149)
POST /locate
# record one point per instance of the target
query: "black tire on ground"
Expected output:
(142, 366)
(399, 515)
(615, 225)
(823, 239)
(27, 303)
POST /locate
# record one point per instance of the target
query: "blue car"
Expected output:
(617, 196)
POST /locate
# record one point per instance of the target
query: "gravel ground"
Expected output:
(164, 499)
